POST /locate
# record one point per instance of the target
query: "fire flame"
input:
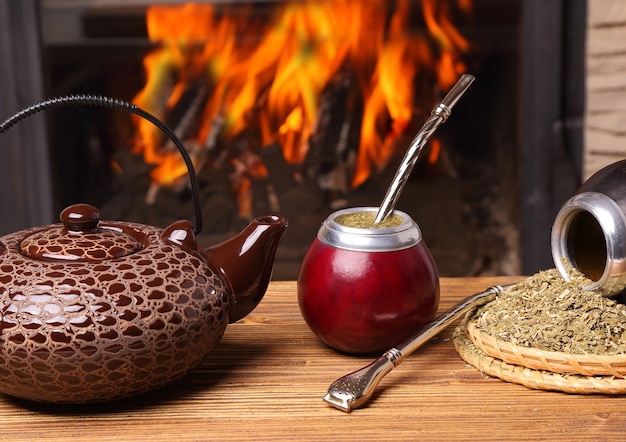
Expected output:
(272, 72)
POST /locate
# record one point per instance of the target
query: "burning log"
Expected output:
(286, 118)
(279, 78)
(333, 144)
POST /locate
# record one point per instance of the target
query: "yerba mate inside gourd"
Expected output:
(366, 220)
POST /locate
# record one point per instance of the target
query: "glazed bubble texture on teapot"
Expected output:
(94, 310)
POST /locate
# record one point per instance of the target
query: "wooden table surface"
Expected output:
(267, 377)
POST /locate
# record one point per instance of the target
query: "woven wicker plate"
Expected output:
(531, 378)
(557, 362)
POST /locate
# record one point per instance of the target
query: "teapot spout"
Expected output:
(247, 261)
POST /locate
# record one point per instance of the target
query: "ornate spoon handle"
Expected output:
(354, 389)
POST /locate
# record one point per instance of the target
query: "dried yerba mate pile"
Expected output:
(548, 313)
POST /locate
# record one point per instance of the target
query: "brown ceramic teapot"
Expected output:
(93, 311)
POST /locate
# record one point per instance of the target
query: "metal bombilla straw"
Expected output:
(437, 116)
(354, 389)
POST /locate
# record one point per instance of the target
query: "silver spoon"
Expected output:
(354, 389)
(437, 116)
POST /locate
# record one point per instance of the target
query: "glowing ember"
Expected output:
(271, 72)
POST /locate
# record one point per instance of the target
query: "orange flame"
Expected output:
(272, 72)
(435, 148)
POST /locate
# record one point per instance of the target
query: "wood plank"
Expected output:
(607, 122)
(596, 161)
(605, 72)
(607, 100)
(605, 143)
(602, 41)
(606, 13)
(266, 380)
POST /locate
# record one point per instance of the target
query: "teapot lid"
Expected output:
(79, 238)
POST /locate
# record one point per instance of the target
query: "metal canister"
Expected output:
(589, 232)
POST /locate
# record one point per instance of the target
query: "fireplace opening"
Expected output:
(467, 193)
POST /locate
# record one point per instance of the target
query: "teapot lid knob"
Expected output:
(80, 218)
(81, 237)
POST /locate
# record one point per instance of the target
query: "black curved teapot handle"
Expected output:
(112, 103)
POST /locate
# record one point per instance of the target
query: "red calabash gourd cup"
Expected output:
(363, 290)
(366, 289)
